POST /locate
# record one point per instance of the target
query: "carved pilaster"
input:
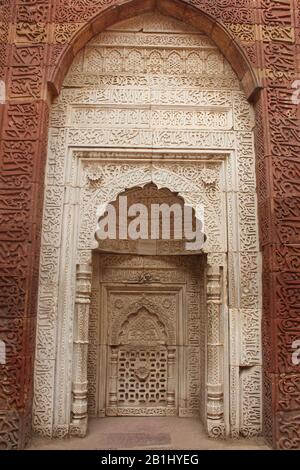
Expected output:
(215, 347)
(171, 377)
(113, 383)
(81, 331)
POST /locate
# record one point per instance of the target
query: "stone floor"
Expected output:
(146, 433)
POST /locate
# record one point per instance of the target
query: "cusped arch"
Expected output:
(154, 310)
(163, 178)
(142, 328)
(110, 12)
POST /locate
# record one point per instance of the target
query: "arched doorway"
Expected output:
(151, 100)
(148, 315)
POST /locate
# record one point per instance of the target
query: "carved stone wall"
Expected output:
(147, 311)
(151, 100)
(39, 39)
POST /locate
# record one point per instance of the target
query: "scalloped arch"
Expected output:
(163, 178)
(133, 309)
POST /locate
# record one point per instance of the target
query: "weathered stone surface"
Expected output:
(265, 40)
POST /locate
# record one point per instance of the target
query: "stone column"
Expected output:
(112, 409)
(215, 352)
(80, 354)
(171, 378)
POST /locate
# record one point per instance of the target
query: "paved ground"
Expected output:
(146, 433)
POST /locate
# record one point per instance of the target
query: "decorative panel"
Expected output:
(140, 106)
(38, 38)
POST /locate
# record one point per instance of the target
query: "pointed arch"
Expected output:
(194, 16)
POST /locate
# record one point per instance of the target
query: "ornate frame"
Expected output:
(82, 187)
(79, 181)
(40, 39)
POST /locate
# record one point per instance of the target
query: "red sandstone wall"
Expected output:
(39, 39)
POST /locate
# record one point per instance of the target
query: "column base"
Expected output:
(78, 427)
(216, 429)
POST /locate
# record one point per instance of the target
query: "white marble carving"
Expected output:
(151, 100)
